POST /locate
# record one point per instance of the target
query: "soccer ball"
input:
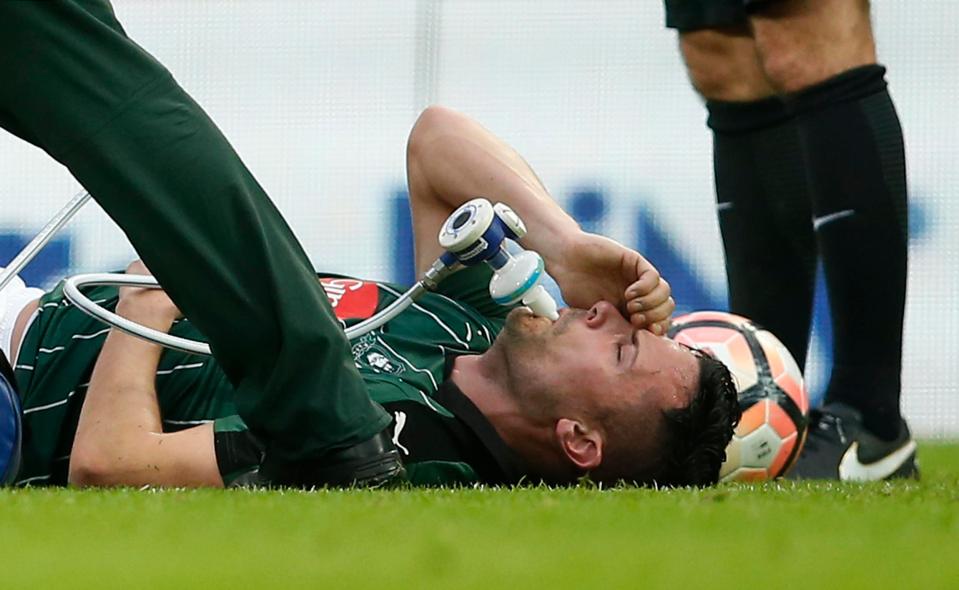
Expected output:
(772, 395)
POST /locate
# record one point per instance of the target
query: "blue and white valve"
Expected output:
(476, 233)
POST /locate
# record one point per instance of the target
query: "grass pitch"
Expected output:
(778, 535)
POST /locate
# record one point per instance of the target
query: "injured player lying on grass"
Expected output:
(478, 393)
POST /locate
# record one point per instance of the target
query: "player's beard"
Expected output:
(524, 346)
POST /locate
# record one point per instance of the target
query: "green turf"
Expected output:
(900, 535)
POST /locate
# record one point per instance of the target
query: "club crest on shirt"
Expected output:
(368, 354)
(351, 298)
(380, 362)
(361, 345)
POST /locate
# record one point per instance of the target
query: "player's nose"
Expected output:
(600, 313)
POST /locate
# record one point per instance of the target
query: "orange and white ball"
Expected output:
(772, 394)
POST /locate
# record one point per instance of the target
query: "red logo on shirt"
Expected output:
(350, 298)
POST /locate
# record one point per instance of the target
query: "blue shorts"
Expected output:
(10, 426)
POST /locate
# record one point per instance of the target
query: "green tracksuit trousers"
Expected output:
(73, 84)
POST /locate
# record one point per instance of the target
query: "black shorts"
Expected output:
(690, 15)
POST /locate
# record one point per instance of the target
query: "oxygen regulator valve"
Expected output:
(476, 233)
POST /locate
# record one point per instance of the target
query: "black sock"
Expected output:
(856, 163)
(764, 215)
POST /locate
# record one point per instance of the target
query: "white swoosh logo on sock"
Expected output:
(818, 222)
(851, 469)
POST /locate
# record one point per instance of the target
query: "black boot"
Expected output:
(372, 463)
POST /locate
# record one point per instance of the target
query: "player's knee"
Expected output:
(710, 83)
(794, 69)
(801, 44)
(790, 71)
(722, 65)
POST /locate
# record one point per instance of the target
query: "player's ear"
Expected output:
(581, 444)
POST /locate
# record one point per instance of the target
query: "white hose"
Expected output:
(72, 285)
(45, 235)
(392, 310)
(71, 288)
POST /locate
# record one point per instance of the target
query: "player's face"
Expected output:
(598, 359)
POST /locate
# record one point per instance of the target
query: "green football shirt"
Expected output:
(440, 434)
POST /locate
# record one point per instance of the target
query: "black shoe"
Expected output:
(373, 463)
(839, 447)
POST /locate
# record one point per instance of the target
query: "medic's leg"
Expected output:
(76, 86)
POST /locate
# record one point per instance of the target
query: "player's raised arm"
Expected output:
(120, 439)
(451, 159)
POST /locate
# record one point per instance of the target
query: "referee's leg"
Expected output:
(761, 189)
(822, 55)
(76, 86)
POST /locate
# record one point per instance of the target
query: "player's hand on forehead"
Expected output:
(595, 268)
(649, 302)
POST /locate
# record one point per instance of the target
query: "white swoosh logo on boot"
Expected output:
(818, 222)
(851, 469)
